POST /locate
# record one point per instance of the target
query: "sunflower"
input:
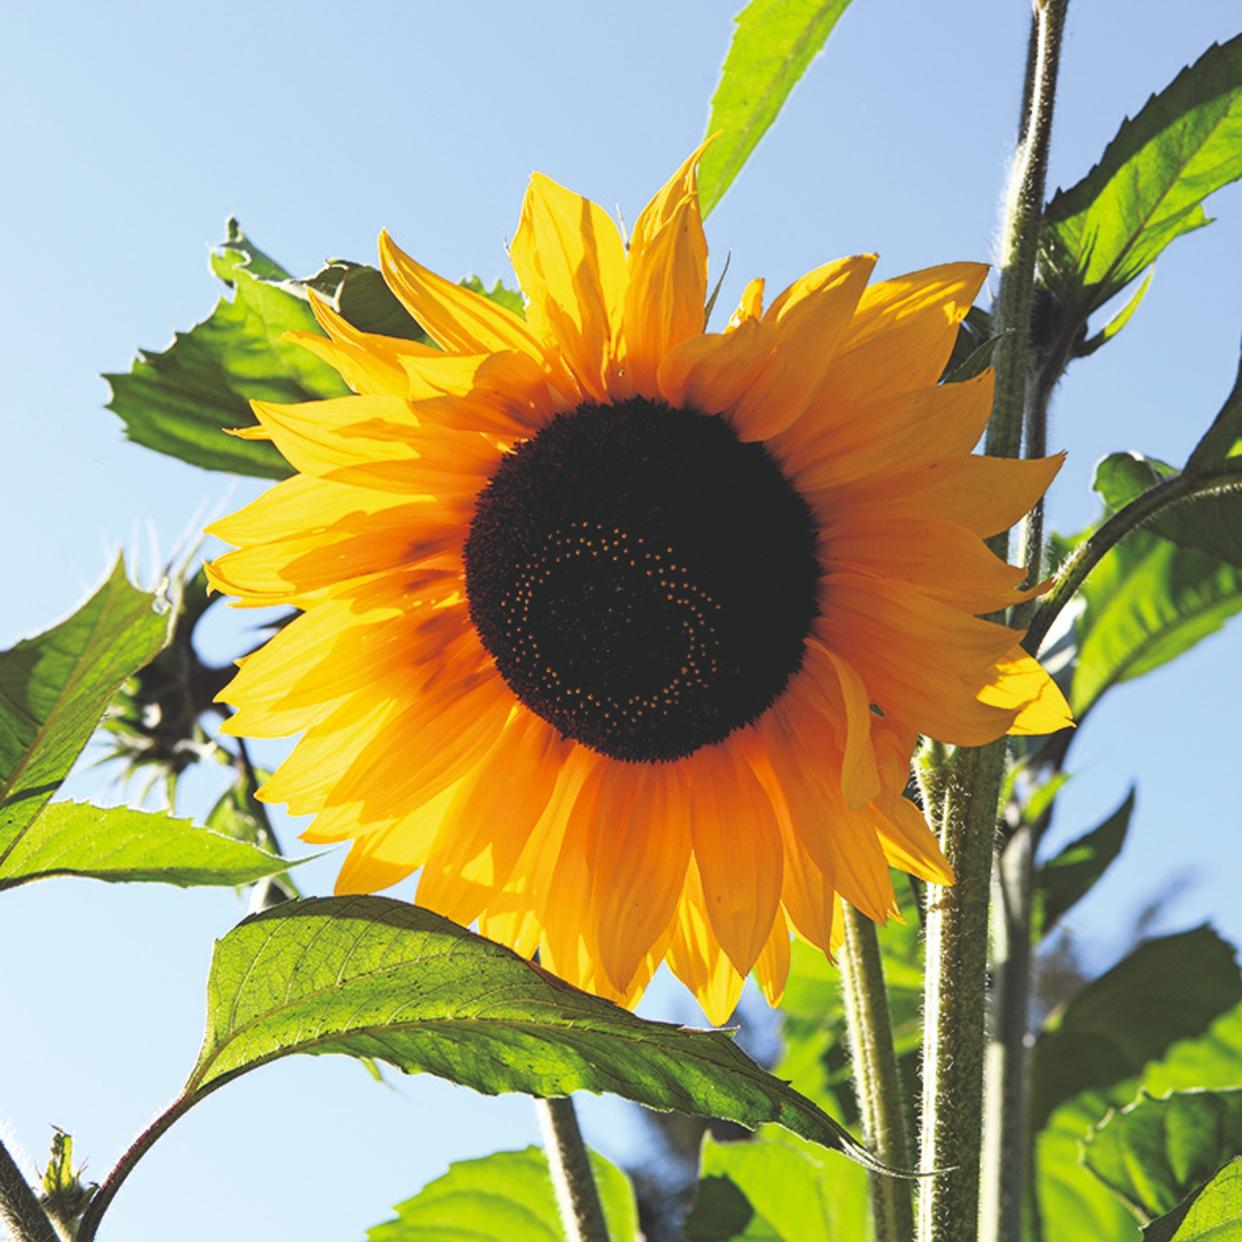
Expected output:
(619, 630)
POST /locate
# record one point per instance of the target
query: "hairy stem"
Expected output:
(576, 1194)
(1177, 490)
(125, 1166)
(957, 919)
(876, 1079)
(19, 1206)
(1006, 1085)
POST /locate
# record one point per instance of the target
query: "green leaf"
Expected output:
(1149, 186)
(54, 688)
(1145, 603)
(1067, 1191)
(373, 977)
(773, 43)
(120, 844)
(1155, 1152)
(1224, 437)
(722, 1213)
(360, 294)
(508, 1195)
(792, 1190)
(1067, 877)
(1166, 990)
(1120, 319)
(180, 401)
(1211, 523)
(1214, 1215)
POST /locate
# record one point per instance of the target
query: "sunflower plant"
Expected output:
(619, 629)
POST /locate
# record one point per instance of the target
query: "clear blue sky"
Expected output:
(135, 129)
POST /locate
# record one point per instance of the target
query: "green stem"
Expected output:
(19, 1207)
(570, 1166)
(955, 980)
(1006, 1085)
(957, 919)
(1181, 488)
(103, 1197)
(876, 1080)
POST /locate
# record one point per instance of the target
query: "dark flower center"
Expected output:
(643, 579)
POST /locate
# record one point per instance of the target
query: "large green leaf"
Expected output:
(121, 844)
(1155, 1152)
(773, 43)
(373, 977)
(55, 687)
(1084, 1209)
(1213, 1215)
(506, 1195)
(1069, 875)
(1146, 602)
(790, 1188)
(1168, 989)
(1149, 186)
(180, 401)
(722, 1213)
(1211, 523)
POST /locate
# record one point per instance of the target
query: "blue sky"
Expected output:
(135, 129)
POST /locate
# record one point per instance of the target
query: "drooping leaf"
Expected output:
(120, 844)
(1224, 437)
(774, 41)
(1069, 875)
(973, 347)
(179, 401)
(1211, 523)
(55, 687)
(722, 1213)
(1149, 185)
(791, 1189)
(1213, 1215)
(1155, 1152)
(507, 1195)
(1145, 603)
(1168, 989)
(373, 977)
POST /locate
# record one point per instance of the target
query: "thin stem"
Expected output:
(957, 937)
(876, 1079)
(19, 1206)
(141, 1145)
(1006, 1084)
(1179, 489)
(576, 1193)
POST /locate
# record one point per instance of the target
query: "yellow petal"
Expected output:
(456, 318)
(1020, 682)
(772, 968)
(809, 319)
(696, 958)
(571, 264)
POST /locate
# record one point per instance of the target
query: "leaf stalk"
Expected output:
(19, 1208)
(577, 1197)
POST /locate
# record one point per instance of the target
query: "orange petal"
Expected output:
(738, 850)
(1020, 683)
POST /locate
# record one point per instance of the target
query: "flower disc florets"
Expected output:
(643, 579)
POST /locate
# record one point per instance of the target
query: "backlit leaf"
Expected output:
(180, 400)
(55, 687)
(373, 977)
(773, 43)
(1166, 990)
(1155, 1152)
(506, 1195)
(1149, 186)
(121, 844)
(1213, 1215)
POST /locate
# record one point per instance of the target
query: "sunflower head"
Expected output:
(620, 631)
